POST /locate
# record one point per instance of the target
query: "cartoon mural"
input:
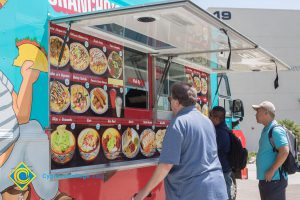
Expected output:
(2, 3)
(23, 79)
(20, 131)
(24, 107)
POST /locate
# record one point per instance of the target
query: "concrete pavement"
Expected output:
(248, 189)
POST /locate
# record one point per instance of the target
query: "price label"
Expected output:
(67, 82)
(98, 126)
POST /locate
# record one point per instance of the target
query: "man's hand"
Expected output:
(283, 152)
(29, 75)
(269, 174)
(159, 174)
(140, 196)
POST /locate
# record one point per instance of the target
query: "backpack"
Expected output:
(291, 164)
(238, 155)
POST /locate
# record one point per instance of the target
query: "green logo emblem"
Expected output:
(22, 176)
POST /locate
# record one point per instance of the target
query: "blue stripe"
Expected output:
(3, 93)
(7, 120)
(6, 106)
(13, 129)
(4, 149)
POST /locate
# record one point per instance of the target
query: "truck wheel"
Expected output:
(233, 187)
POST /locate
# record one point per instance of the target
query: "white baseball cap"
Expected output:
(266, 105)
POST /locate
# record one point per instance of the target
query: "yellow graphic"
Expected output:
(31, 51)
(113, 81)
(2, 2)
(22, 176)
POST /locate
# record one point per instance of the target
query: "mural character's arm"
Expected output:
(23, 100)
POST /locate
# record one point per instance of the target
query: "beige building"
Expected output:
(279, 33)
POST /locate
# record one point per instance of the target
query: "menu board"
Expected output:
(86, 94)
(200, 81)
(89, 79)
(85, 145)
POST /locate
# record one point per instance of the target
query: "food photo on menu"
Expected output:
(159, 138)
(115, 65)
(99, 99)
(111, 143)
(60, 97)
(130, 143)
(205, 110)
(204, 86)
(147, 140)
(98, 61)
(80, 99)
(88, 144)
(62, 145)
(79, 57)
(197, 83)
(56, 44)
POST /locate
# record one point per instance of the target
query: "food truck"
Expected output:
(89, 91)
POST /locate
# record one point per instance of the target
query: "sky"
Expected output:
(269, 4)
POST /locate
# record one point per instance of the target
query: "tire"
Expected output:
(233, 187)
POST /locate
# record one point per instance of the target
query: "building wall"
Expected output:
(278, 32)
(253, 88)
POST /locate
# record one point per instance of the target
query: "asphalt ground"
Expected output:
(248, 189)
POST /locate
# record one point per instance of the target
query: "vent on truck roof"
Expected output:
(133, 36)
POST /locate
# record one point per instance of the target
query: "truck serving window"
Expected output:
(136, 79)
(176, 74)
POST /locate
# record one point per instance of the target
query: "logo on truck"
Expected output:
(81, 6)
(22, 176)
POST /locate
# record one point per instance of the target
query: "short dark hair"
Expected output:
(219, 111)
(184, 93)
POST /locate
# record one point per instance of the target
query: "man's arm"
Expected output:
(159, 174)
(283, 153)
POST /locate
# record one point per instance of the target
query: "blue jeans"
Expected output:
(228, 181)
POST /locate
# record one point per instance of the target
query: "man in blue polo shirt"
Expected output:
(272, 180)
(189, 162)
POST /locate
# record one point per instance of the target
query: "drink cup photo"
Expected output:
(113, 94)
(118, 106)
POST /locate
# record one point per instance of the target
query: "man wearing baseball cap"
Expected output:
(272, 180)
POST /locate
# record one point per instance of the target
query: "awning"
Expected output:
(179, 29)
